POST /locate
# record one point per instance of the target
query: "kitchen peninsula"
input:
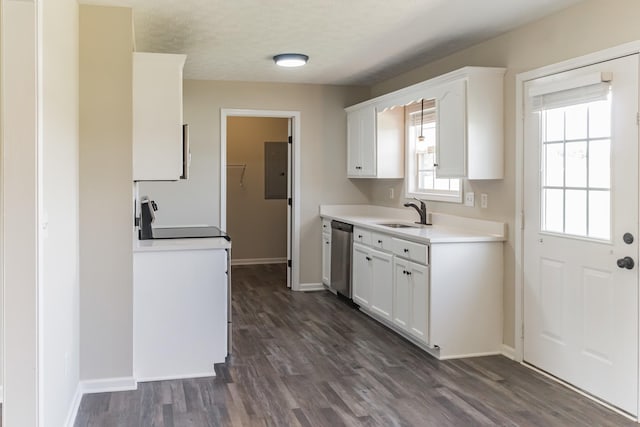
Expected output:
(181, 306)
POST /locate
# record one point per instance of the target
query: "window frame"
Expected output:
(411, 161)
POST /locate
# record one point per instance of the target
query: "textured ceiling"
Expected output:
(348, 41)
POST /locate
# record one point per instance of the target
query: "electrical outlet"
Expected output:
(484, 200)
(391, 193)
(469, 199)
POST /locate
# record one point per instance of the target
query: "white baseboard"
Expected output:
(74, 407)
(97, 386)
(178, 377)
(254, 261)
(508, 351)
(108, 385)
(308, 287)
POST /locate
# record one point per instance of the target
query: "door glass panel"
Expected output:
(599, 215)
(576, 212)
(576, 122)
(554, 168)
(599, 120)
(554, 129)
(553, 206)
(576, 165)
(600, 164)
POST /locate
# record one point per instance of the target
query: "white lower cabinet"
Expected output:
(382, 284)
(411, 298)
(326, 259)
(445, 297)
(373, 280)
(362, 275)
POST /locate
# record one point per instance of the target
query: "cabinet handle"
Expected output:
(368, 258)
(404, 271)
(408, 273)
(406, 250)
(359, 236)
(435, 164)
(379, 241)
(327, 243)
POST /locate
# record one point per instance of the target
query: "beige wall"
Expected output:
(258, 226)
(322, 145)
(19, 220)
(106, 206)
(581, 29)
(59, 301)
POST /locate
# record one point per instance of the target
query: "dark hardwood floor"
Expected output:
(307, 359)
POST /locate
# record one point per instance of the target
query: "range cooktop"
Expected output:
(188, 233)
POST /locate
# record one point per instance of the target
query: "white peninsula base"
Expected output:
(180, 310)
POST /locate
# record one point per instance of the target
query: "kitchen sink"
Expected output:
(399, 225)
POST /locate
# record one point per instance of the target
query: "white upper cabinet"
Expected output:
(157, 116)
(375, 142)
(469, 127)
(470, 141)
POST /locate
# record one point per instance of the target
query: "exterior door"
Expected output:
(581, 229)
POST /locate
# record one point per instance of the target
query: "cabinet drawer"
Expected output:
(326, 226)
(417, 252)
(361, 235)
(381, 241)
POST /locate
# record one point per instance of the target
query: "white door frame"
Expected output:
(295, 184)
(582, 61)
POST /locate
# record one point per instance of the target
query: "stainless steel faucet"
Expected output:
(422, 211)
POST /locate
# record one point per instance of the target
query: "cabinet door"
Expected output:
(401, 294)
(382, 286)
(451, 139)
(368, 144)
(354, 133)
(419, 318)
(361, 275)
(361, 143)
(157, 116)
(326, 259)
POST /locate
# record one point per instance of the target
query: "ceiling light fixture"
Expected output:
(290, 59)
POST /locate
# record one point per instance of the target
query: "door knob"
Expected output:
(628, 238)
(626, 262)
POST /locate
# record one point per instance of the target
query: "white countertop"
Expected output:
(206, 243)
(445, 228)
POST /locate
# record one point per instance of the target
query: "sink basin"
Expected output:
(399, 225)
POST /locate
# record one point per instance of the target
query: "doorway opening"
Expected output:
(259, 194)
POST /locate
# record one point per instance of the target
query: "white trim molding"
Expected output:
(508, 352)
(211, 374)
(295, 175)
(74, 407)
(108, 385)
(104, 385)
(311, 287)
(256, 261)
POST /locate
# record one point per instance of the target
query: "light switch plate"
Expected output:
(484, 200)
(469, 199)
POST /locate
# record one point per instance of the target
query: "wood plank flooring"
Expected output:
(307, 359)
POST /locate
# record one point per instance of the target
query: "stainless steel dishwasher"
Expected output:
(341, 244)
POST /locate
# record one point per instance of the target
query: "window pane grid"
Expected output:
(422, 179)
(575, 173)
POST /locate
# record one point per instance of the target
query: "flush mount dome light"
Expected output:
(290, 59)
